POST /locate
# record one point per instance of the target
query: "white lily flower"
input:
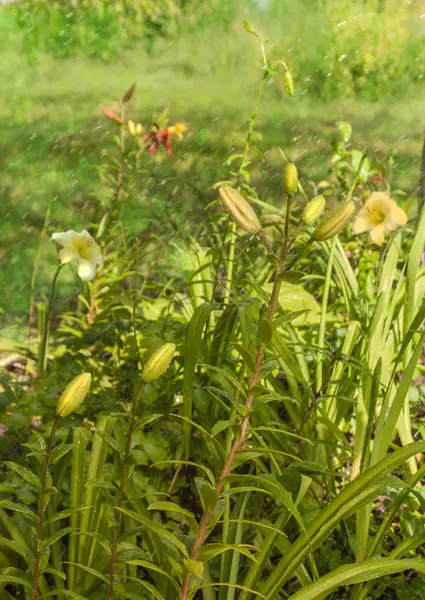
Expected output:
(81, 248)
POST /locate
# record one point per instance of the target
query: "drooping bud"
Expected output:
(73, 395)
(158, 363)
(314, 209)
(129, 93)
(335, 222)
(239, 210)
(290, 178)
(109, 114)
(289, 83)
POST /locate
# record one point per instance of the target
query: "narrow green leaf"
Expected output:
(190, 354)
(55, 537)
(21, 508)
(159, 530)
(351, 574)
(172, 507)
(68, 512)
(23, 472)
(209, 551)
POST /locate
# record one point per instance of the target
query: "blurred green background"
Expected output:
(359, 61)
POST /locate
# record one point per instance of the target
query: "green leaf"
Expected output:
(293, 297)
(207, 493)
(23, 472)
(220, 426)
(16, 547)
(152, 567)
(14, 579)
(246, 356)
(195, 567)
(351, 574)
(59, 452)
(54, 538)
(159, 530)
(112, 442)
(148, 420)
(67, 513)
(21, 508)
(90, 570)
(68, 593)
(172, 507)
(190, 354)
(327, 519)
(265, 331)
(209, 551)
(291, 275)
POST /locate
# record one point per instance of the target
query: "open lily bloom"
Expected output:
(178, 130)
(378, 215)
(81, 248)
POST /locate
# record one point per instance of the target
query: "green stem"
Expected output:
(46, 327)
(120, 497)
(42, 505)
(231, 258)
(322, 327)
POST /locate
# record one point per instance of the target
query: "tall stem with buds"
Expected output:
(255, 378)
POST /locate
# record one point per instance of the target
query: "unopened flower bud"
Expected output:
(158, 363)
(314, 209)
(239, 210)
(73, 395)
(335, 222)
(289, 83)
(290, 178)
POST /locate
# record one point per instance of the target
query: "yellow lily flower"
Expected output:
(178, 130)
(378, 215)
(81, 248)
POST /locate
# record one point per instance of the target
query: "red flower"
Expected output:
(158, 137)
(111, 115)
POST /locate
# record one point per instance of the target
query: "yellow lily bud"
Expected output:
(290, 178)
(289, 83)
(158, 363)
(73, 395)
(314, 209)
(239, 210)
(335, 222)
(131, 127)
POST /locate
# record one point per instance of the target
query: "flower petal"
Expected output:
(94, 255)
(68, 254)
(362, 222)
(396, 218)
(86, 270)
(377, 234)
(64, 238)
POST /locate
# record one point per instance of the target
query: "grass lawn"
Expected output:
(52, 135)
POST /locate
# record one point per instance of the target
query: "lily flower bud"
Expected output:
(335, 222)
(158, 363)
(239, 210)
(73, 395)
(290, 178)
(289, 83)
(314, 209)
